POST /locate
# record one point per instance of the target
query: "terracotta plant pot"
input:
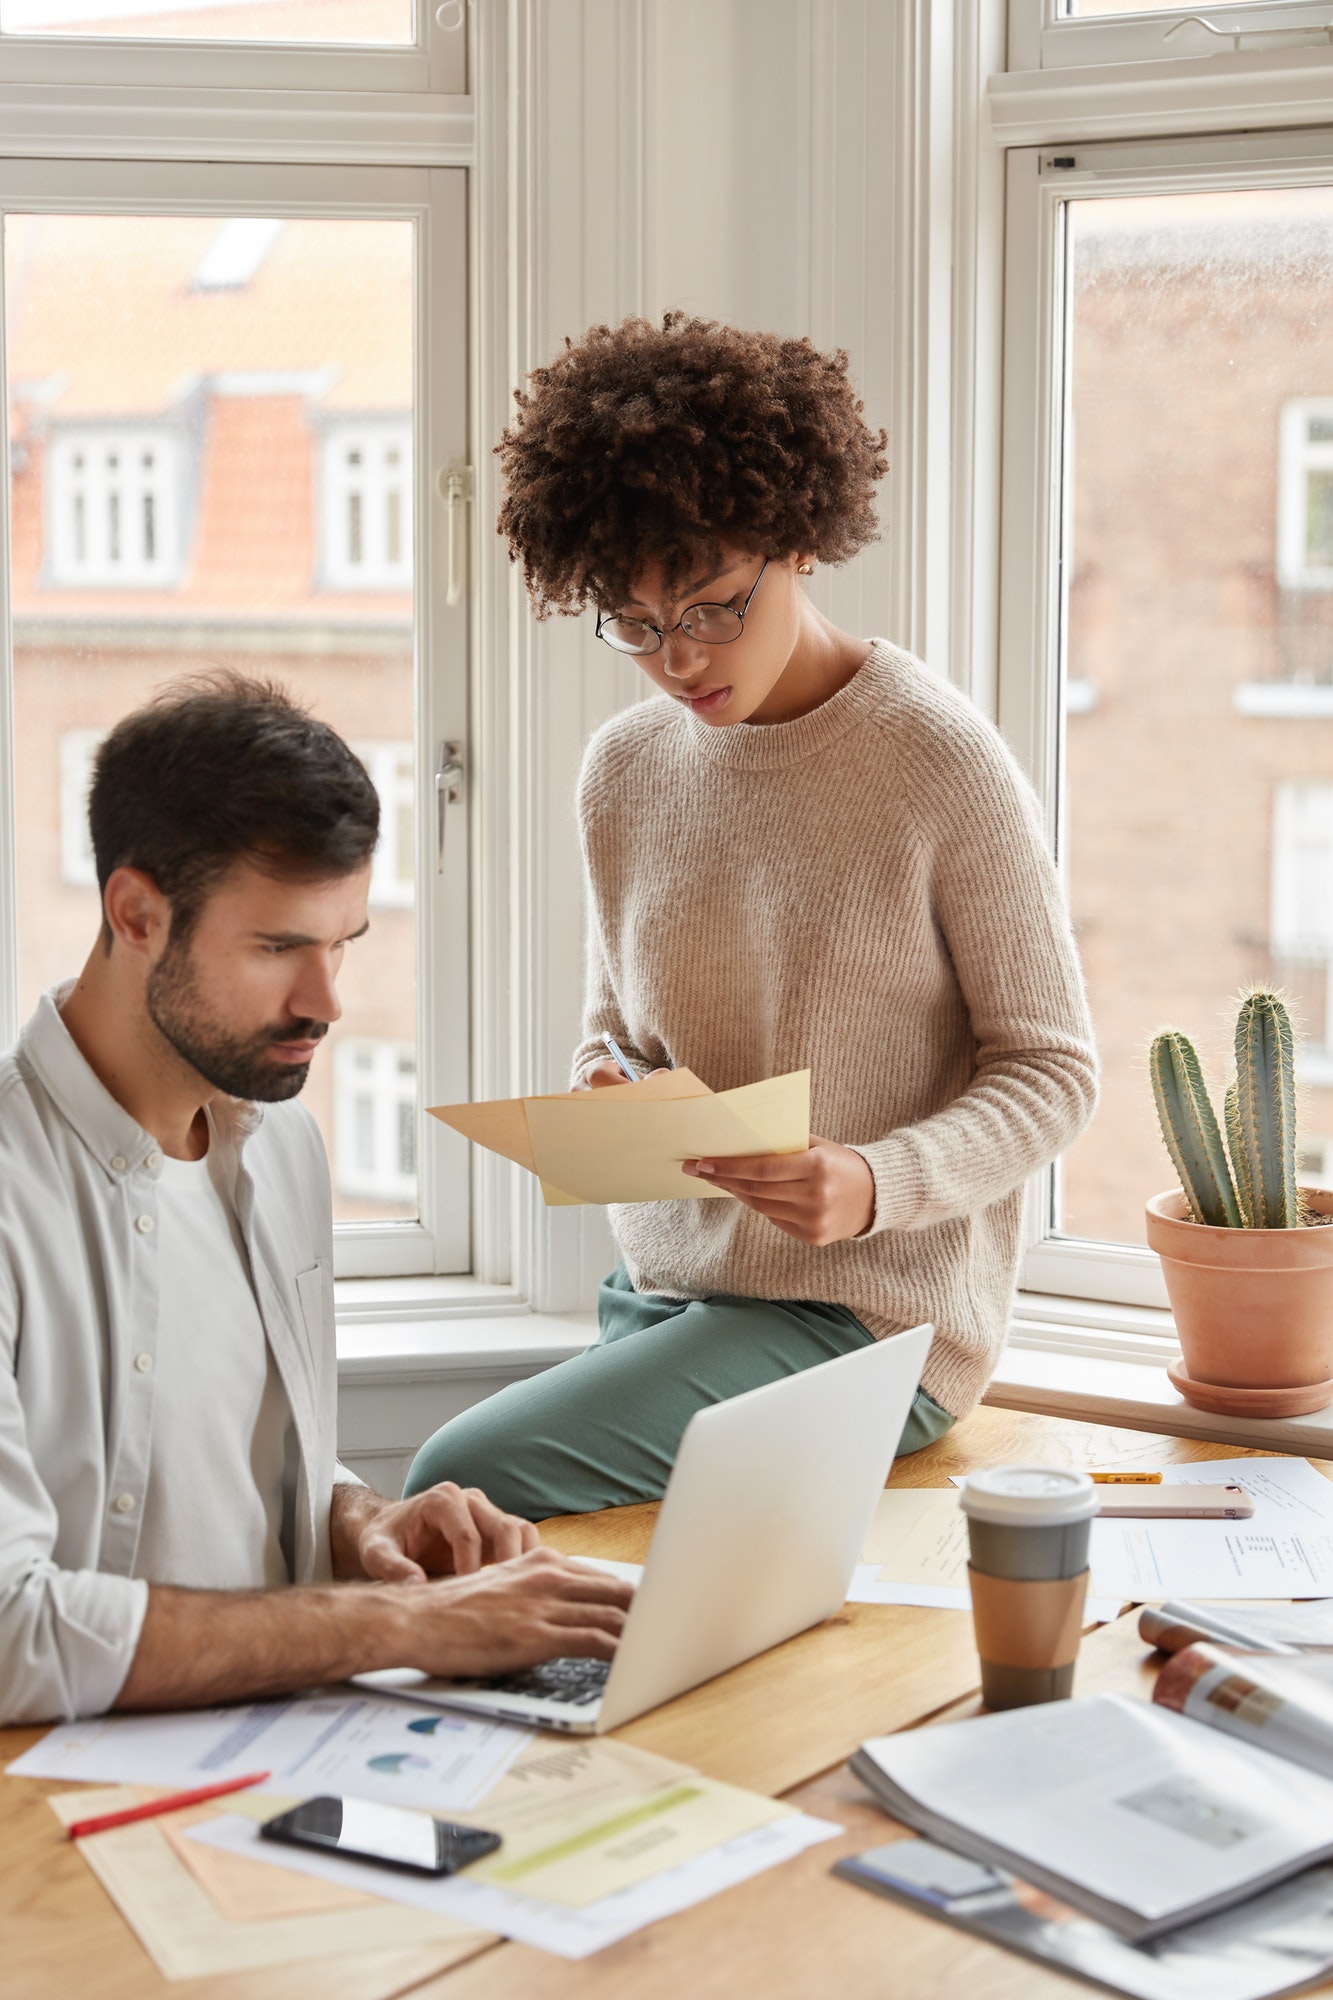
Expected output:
(1253, 1308)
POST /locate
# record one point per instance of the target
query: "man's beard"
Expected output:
(240, 1065)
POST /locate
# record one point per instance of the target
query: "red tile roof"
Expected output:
(105, 323)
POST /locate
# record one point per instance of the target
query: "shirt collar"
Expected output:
(116, 1141)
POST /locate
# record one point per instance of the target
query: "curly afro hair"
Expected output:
(659, 444)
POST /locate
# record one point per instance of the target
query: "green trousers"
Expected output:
(602, 1430)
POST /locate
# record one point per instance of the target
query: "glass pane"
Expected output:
(1199, 732)
(171, 448)
(361, 21)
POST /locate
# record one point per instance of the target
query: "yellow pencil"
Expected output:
(1126, 1478)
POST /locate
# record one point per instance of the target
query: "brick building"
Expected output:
(211, 443)
(1199, 803)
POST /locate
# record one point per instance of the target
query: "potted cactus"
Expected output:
(1247, 1261)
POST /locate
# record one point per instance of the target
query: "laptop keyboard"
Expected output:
(575, 1681)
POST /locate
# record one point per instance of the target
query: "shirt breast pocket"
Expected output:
(314, 1290)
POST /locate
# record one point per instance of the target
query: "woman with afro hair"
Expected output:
(807, 852)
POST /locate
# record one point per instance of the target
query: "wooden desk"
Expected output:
(783, 1724)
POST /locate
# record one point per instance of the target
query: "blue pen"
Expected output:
(611, 1043)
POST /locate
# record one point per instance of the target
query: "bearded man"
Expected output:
(174, 1527)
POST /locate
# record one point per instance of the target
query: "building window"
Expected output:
(393, 872)
(77, 750)
(1314, 1163)
(367, 506)
(1302, 918)
(114, 505)
(1305, 495)
(375, 1120)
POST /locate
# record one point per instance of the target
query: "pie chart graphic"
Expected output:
(394, 1762)
(426, 1725)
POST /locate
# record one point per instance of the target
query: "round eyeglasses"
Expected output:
(712, 624)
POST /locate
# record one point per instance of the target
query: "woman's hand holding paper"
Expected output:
(821, 1196)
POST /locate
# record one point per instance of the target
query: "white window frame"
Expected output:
(78, 866)
(80, 488)
(372, 486)
(392, 772)
(1042, 35)
(1032, 606)
(435, 201)
(434, 62)
(1297, 456)
(356, 1059)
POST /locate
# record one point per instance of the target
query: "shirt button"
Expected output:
(124, 1503)
(143, 1362)
(153, 1162)
(144, 1224)
(118, 1163)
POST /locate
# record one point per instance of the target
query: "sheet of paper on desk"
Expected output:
(373, 1746)
(568, 1931)
(915, 1552)
(191, 1934)
(1285, 1548)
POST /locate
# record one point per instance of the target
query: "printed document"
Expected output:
(371, 1746)
(1285, 1549)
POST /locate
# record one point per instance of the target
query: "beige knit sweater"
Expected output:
(866, 892)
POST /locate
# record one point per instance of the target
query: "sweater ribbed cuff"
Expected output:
(900, 1183)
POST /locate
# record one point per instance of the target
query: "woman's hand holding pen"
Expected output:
(823, 1196)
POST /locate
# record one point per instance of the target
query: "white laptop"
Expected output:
(760, 1529)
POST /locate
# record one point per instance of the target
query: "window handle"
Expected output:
(455, 484)
(1239, 36)
(449, 776)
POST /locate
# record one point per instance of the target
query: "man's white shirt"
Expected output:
(221, 1420)
(104, 1473)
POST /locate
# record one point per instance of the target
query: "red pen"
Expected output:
(174, 1802)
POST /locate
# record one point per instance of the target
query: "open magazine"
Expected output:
(1273, 1943)
(1145, 1816)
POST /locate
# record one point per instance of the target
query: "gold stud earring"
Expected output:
(805, 569)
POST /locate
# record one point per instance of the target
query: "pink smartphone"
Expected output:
(1182, 1502)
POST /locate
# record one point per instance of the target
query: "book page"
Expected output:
(1130, 1802)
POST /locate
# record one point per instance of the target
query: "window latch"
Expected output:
(455, 484)
(449, 777)
(1238, 36)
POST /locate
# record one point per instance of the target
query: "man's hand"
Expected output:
(540, 1607)
(200, 1647)
(446, 1531)
(823, 1196)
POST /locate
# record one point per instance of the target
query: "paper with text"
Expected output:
(372, 1746)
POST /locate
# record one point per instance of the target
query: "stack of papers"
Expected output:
(599, 1838)
(916, 1549)
(625, 1142)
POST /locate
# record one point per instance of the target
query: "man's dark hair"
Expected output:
(220, 768)
(647, 443)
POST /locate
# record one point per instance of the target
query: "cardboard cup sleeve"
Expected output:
(1027, 1624)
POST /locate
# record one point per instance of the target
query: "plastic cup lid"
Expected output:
(1021, 1496)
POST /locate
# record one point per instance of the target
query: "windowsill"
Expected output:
(1066, 1358)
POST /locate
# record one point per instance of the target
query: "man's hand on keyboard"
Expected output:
(539, 1606)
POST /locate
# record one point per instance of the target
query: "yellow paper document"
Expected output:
(626, 1143)
(584, 1820)
(193, 1932)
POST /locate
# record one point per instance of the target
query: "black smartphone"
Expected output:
(389, 1834)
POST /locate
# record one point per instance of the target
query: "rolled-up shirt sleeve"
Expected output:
(67, 1636)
